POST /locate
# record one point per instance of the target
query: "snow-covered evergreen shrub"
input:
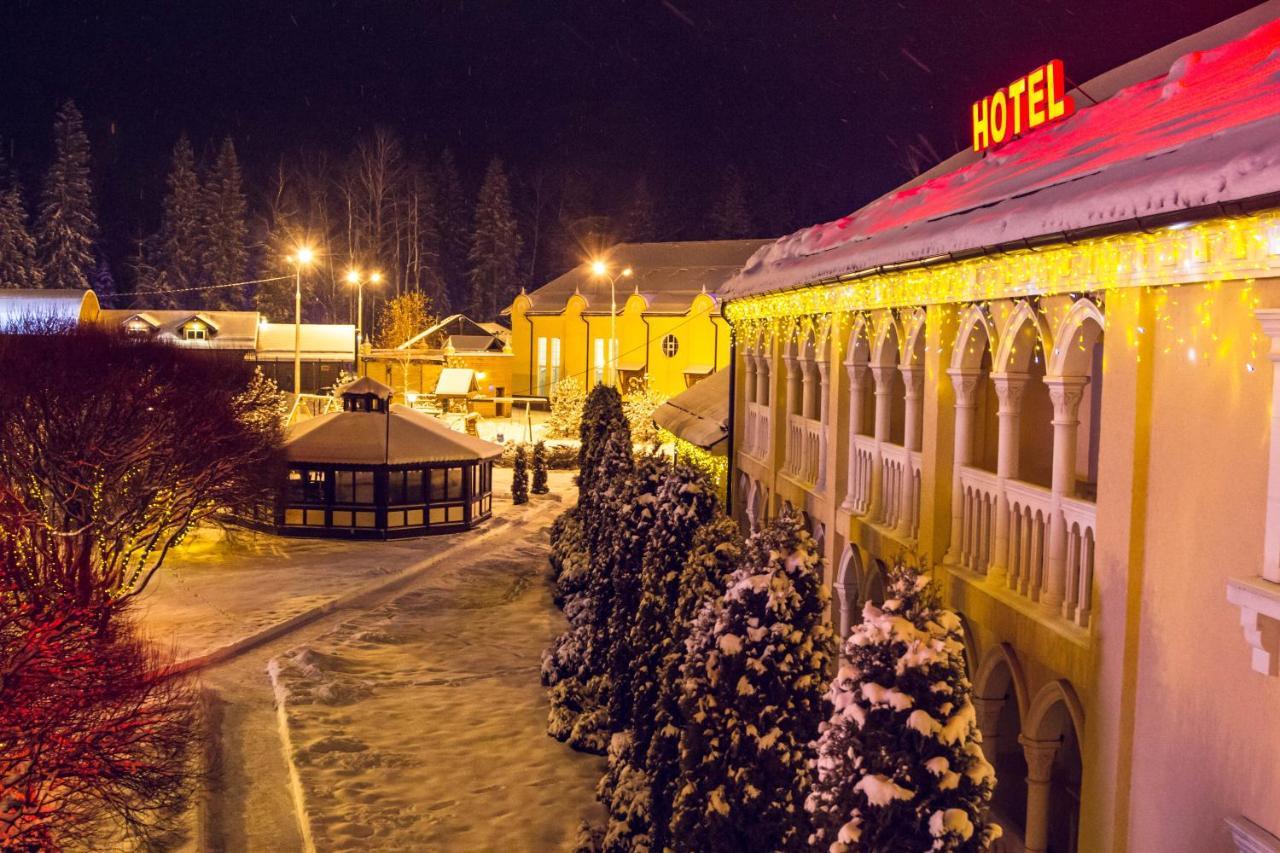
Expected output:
(567, 398)
(685, 502)
(539, 486)
(716, 554)
(899, 764)
(602, 418)
(520, 477)
(578, 663)
(755, 679)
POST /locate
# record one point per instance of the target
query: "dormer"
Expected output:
(197, 327)
(140, 325)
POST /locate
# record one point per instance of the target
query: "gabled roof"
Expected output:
(235, 329)
(400, 436)
(149, 319)
(699, 414)
(669, 275)
(1206, 133)
(367, 385)
(329, 341)
(453, 327)
(456, 382)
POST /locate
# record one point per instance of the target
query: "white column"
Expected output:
(1039, 755)
(749, 377)
(1009, 390)
(913, 424)
(794, 394)
(824, 416)
(988, 713)
(965, 381)
(1270, 320)
(913, 420)
(1066, 393)
(857, 378)
(809, 389)
(884, 392)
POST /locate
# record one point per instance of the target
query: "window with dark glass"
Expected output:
(353, 487)
(306, 487)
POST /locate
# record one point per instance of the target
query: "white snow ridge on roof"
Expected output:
(401, 436)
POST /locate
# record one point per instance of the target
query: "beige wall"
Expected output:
(1179, 732)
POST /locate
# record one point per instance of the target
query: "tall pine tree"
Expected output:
(66, 226)
(899, 764)
(180, 231)
(18, 265)
(640, 221)
(755, 676)
(225, 247)
(730, 216)
(454, 221)
(495, 247)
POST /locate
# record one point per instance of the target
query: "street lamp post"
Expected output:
(303, 257)
(601, 270)
(353, 278)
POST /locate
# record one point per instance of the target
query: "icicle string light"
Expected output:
(1205, 254)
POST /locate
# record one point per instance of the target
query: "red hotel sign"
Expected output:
(1023, 105)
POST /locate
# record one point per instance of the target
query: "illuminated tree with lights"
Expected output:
(118, 448)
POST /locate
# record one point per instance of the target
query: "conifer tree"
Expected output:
(685, 502)
(494, 259)
(602, 415)
(899, 764)
(225, 249)
(730, 216)
(180, 233)
(753, 695)
(18, 265)
(540, 469)
(454, 223)
(640, 221)
(577, 664)
(66, 226)
(520, 477)
(716, 554)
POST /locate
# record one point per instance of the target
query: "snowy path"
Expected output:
(419, 725)
(447, 749)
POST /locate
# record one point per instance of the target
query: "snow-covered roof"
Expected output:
(456, 382)
(462, 332)
(231, 329)
(334, 342)
(1204, 134)
(699, 414)
(669, 275)
(367, 385)
(19, 305)
(400, 436)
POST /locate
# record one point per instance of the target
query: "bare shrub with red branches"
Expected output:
(118, 448)
(96, 736)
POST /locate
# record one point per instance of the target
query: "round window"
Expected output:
(670, 346)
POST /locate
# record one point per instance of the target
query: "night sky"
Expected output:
(820, 105)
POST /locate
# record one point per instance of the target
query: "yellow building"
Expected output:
(669, 326)
(1054, 376)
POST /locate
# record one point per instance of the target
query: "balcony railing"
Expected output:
(1032, 512)
(979, 501)
(1081, 517)
(805, 437)
(858, 499)
(758, 430)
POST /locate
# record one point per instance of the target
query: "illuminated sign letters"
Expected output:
(1023, 105)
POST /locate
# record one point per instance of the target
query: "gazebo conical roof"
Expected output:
(400, 436)
(367, 385)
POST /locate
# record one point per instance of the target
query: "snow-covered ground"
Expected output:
(420, 724)
(418, 719)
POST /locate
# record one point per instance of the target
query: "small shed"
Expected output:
(456, 383)
(377, 470)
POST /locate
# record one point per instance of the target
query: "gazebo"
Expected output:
(376, 470)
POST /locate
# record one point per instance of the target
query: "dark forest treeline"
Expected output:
(468, 242)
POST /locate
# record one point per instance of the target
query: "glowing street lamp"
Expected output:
(354, 279)
(304, 256)
(601, 270)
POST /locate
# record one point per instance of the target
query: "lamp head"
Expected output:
(375, 277)
(598, 268)
(304, 256)
(353, 276)
(626, 272)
